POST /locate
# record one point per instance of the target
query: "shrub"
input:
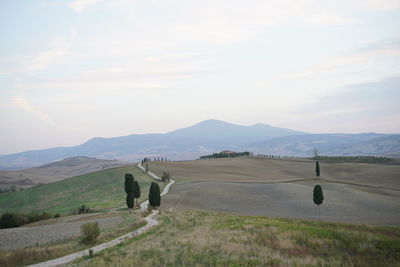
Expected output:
(84, 209)
(90, 231)
(9, 220)
(57, 215)
(166, 176)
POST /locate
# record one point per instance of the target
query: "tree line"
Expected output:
(229, 154)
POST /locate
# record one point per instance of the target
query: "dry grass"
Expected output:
(265, 170)
(214, 239)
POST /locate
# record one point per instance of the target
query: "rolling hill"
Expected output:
(97, 190)
(55, 171)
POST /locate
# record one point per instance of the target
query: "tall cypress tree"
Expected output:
(136, 190)
(129, 188)
(317, 169)
(129, 183)
(318, 197)
(154, 195)
(130, 201)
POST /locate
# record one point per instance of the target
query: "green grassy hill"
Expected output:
(219, 239)
(98, 190)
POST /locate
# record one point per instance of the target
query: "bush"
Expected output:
(84, 209)
(9, 220)
(57, 215)
(166, 176)
(90, 231)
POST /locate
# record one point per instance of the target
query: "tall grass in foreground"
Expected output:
(215, 239)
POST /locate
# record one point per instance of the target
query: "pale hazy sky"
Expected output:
(72, 70)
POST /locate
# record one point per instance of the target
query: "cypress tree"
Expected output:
(129, 183)
(130, 201)
(136, 190)
(317, 169)
(318, 197)
(154, 195)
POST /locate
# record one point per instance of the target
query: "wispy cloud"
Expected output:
(22, 102)
(58, 49)
(80, 5)
(44, 59)
(369, 54)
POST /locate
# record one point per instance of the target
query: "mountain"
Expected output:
(212, 136)
(388, 146)
(304, 145)
(55, 171)
(187, 143)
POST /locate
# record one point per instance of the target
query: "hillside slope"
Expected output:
(55, 171)
(98, 190)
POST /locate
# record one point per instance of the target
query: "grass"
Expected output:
(215, 239)
(38, 254)
(98, 190)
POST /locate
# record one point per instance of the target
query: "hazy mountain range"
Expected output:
(213, 136)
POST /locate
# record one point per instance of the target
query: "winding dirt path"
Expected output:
(151, 222)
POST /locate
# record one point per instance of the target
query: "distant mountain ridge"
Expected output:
(207, 137)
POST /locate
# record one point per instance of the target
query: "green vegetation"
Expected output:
(9, 220)
(218, 239)
(99, 190)
(136, 190)
(318, 197)
(154, 195)
(129, 183)
(354, 159)
(166, 176)
(90, 232)
(317, 169)
(226, 154)
(129, 188)
(130, 200)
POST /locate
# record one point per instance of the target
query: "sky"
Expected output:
(71, 70)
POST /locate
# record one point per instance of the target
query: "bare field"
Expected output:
(354, 192)
(261, 170)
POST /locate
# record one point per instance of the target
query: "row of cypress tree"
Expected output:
(132, 190)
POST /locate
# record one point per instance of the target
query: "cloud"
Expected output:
(23, 103)
(369, 54)
(79, 5)
(46, 58)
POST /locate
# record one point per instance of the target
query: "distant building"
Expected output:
(229, 152)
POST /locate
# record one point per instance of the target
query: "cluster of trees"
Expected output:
(276, 156)
(9, 220)
(227, 154)
(155, 159)
(132, 190)
(12, 188)
(166, 176)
